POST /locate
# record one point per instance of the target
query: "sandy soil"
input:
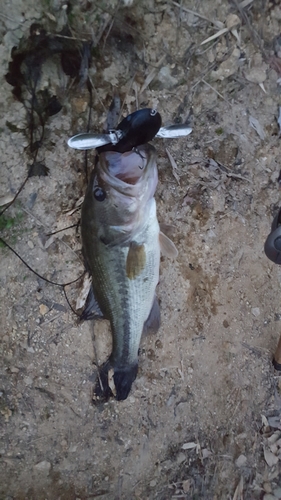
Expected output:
(203, 418)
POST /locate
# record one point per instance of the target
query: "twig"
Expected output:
(107, 34)
(128, 90)
(216, 91)
(152, 74)
(173, 165)
(216, 23)
(254, 35)
(69, 37)
(96, 360)
(100, 101)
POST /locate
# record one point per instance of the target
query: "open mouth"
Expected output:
(128, 167)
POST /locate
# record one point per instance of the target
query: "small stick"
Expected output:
(277, 356)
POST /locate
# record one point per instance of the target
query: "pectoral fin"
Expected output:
(167, 247)
(136, 260)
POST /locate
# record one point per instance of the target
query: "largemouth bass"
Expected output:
(121, 244)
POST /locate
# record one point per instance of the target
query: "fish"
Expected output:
(122, 241)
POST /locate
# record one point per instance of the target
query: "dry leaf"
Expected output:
(274, 448)
(111, 383)
(76, 207)
(83, 294)
(274, 422)
(186, 485)
(270, 458)
(189, 446)
(264, 421)
(238, 494)
(4, 200)
(49, 241)
(152, 74)
(206, 453)
(174, 166)
(274, 437)
(255, 124)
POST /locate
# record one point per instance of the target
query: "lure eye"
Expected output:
(99, 194)
(153, 112)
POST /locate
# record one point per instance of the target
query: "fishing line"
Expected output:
(64, 229)
(35, 272)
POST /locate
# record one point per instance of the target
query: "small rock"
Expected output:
(232, 21)
(165, 77)
(241, 461)
(255, 311)
(30, 244)
(79, 104)
(43, 309)
(43, 466)
(258, 72)
(28, 380)
(206, 453)
(13, 369)
(181, 457)
(257, 75)
(152, 483)
(267, 487)
(277, 492)
(228, 67)
(6, 412)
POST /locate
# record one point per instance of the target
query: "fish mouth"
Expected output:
(128, 167)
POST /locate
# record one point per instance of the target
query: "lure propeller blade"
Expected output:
(91, 141)
(174, 131)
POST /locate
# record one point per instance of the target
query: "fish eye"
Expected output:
(99, 194)
(153, 112)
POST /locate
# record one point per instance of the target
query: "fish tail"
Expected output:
(123, 380)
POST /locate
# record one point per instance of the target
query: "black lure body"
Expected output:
(137, 128)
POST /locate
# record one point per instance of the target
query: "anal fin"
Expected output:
(153, 321)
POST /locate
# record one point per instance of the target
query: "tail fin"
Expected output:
(123, 379)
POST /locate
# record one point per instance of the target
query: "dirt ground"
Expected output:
(203, 420)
